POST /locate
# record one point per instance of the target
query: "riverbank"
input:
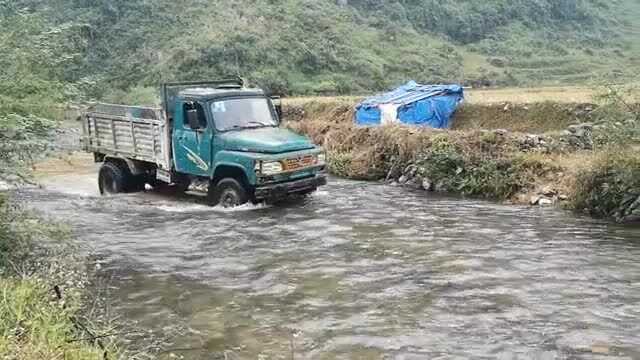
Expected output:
(580, 156)
(45, 310)
(51, 306)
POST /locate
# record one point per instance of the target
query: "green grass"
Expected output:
(34, 323)
(35, 326)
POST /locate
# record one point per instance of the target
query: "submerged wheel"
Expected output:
(112, 179)
(227, 193)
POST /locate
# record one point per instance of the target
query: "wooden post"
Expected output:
(113, 131)
(133, 138)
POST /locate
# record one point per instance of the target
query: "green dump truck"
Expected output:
(216, 135)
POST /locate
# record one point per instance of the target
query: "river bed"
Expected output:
(360, 271)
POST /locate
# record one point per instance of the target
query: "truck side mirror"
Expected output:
(277, 104)
(193, 119)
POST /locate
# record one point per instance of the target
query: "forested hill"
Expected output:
(317, 46)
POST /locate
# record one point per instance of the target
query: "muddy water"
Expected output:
(361, 271)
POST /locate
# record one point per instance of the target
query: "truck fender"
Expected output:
(136, 167)
(230, 170)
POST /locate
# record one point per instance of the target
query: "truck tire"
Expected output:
(112, 179)
(227, 193)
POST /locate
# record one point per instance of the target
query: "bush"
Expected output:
(138, 95)
(22, 140)
(34, 326)
(610, 187)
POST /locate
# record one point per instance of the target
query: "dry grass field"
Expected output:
(560, 94)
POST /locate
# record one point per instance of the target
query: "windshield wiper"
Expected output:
(260, 124)
(256, 126)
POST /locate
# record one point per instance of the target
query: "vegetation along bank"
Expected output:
(48, 306)
(582, 156)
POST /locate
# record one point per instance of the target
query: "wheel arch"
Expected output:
(135, 167)
(233, 171)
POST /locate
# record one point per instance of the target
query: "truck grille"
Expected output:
(300, 162)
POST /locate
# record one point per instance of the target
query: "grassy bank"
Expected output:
(42, 288)
(538, 153)
(43, 279)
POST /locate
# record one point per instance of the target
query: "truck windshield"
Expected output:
(244, 113)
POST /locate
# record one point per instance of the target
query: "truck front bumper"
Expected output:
(281, 190)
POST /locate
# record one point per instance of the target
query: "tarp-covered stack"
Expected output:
(412, 104)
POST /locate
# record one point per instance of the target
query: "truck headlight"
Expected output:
(322, 158)
(271, 167)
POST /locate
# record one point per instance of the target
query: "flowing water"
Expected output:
(361, 271)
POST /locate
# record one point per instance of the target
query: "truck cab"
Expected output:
(219, 134)
(231, 137)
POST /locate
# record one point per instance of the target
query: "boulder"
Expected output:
(548, 191)
(427, 184)
(535, 200)
(541, 200)
(440, 186)
(410, 171)
(545, 202)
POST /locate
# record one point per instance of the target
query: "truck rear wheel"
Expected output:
(227, 193)
(112, 179)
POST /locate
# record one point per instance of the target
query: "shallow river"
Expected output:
(361, 271)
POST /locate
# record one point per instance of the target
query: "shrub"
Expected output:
(610, 185)
(32, 326)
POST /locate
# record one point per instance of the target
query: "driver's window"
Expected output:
(194, 106)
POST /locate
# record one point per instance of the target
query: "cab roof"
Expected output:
(209, 93)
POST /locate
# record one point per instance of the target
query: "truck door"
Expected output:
(192, 139)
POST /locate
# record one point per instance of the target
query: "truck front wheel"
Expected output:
(227, 193)
(112, 179)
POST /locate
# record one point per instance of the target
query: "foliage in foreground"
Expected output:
(610, 186)
(35, 325)
(34, 322)
(23, 139)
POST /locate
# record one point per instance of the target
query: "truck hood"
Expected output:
(265, 140)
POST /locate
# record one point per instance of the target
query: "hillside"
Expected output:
(328, 47)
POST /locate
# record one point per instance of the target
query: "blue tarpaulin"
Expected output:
(412, 104)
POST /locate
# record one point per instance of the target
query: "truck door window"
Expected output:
(202, 119)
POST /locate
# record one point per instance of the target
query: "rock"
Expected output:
(497, 62)
(562, 197)
(403, 179)
(427, 184)
(410, 171)
(549, 191)
(545, 202)
(501, 132)
(586, 126)
(440, 187)
(415, 183)
(635, 205)
(541, 200)
(535, 200)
